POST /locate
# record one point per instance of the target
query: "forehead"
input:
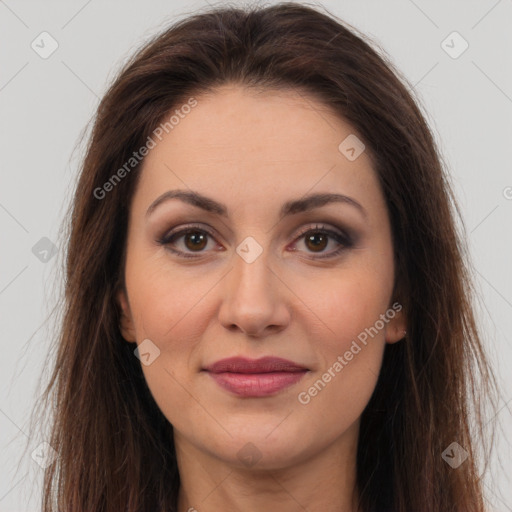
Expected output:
(255, 147)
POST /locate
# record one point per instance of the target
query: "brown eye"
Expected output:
(187, 241)
(195, 240)
(317, 242)
(318, 238)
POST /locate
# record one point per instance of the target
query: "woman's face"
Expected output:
(313, 287)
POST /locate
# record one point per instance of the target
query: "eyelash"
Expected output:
(344, 240)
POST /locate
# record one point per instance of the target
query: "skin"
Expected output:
(252, 151)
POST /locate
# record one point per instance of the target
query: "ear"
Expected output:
(396, 326)
(126, 320)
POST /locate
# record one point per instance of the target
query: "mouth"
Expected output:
(255, 377)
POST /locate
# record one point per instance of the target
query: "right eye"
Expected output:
(195, 239)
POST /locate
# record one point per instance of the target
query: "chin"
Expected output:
(263, 445)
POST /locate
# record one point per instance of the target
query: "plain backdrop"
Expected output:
(46, 104)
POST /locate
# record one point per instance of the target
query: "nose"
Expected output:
(254, 299)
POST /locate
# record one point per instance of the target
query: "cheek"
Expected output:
(167, 302)
(334, 397)
(172, 310)
(172, 314)
(350, 338)
(346, 303)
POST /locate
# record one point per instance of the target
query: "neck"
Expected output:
(325, 482)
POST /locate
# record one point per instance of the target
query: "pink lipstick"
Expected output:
(255, 377)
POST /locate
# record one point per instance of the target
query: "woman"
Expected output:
(267, 302)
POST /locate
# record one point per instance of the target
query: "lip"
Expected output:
(256, 377)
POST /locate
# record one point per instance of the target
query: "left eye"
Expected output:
(195, 240)
(317, 239)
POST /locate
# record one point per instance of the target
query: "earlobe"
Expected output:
(396, 335)
(396, 328)
(125, 322)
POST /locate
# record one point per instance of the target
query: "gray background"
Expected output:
(46, 104)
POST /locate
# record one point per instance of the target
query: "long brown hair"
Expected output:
(115, 446)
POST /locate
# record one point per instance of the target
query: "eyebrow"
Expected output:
(293, 207)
